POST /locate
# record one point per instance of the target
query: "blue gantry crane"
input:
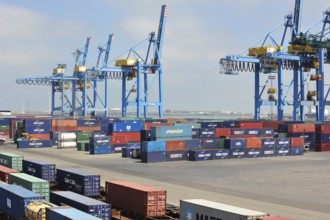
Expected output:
(79, 93)
(273, 60)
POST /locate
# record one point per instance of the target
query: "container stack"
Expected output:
(64, 125)
(67, 140)
(91, 206)
(147, 202)
(305, 131)
(83, 140)
(88, 125)
(4, 173)
(78, 181)
(4, 126)
(12, 161)
(236, 147)
(32, 183)
(153, 151)
(100, 145)
(323, 137)
(40, 169)
(124, 132)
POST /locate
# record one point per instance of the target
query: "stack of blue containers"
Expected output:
(283, 146)
(268, 147)
(100, 145)
(153, 151)
(236, 146)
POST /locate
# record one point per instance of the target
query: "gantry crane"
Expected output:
(273, 60)
(79, 94)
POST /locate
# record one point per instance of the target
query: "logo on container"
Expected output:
(189, 214)
(177, 131)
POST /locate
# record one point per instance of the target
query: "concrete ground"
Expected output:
(292, 186)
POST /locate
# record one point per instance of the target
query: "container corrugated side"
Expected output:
(91, 206)
(34, 143)
(153, 146)
(12, 161)
(4, 173)
(171, 131)
(68, 213)
(148, 201)
(40, 169)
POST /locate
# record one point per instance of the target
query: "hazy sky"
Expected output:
(37, 35)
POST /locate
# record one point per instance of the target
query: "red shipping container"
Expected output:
(297, 142)
(147, 126)
(253, 143)
(177, 145)
(129, 136)
(249, 124)
(322, 147)
(222, 132)
(301, 128)
(6, 133)
(141, 200)
(323, 129)
(4, 173)
(89, 128)
(272, 124)
(40, 136)
(118, 139)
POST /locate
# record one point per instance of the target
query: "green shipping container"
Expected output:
(4, 127)
(84, 136)
(12, 161)
(222, 142)
(83, 146)
(32, 183)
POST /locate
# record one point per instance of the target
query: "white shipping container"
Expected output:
(67, 136)
(200, 209)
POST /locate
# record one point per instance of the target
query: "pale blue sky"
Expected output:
(37, 35)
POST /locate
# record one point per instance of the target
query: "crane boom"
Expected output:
(297, 16)
(160, 34)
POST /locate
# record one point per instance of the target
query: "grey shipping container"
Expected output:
(203, 209)
(67, 213)
(91, 206)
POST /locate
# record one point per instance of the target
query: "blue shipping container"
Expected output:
(37, 123)
(36, 130)
(266, 131)
(88, 123)
(117, 149)
(100, 141)
(145, 135)
(207, 132)
(193, 144)
(40, 169)
(99, 133)
(153, 157)
(220, 154)
(153, 146)
(229, 124)
(211, 124)
(268, 152)
(68, 213)
(34, 144)
(176, 155)
(283, 142)
(198, 155)
(14, 198)
(310, 145)
(91, 206)
(253, 152)
(210, 143)
(295, 151)
(253, 131)
(128, 126)
(268, 142)
(171, 138)
(4, 121)
(322, 138)
(308, 136)
(237, 131)
(171, 131)
(237, 153)
(78, 181)
(282, 151)
(100, 149)
(235, 143)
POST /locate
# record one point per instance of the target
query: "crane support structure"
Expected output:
(80, 93)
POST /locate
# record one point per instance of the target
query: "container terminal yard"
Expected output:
(80, 162)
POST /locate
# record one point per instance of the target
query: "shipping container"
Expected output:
(147, 202)
(153, 146)
(67, 136)
(222, 132)
(253, 152)
(176, 155)
(207, 132)
(84, 135)
(220, 154)
(152, 157)
(37, 123)
(129, 136)
(34, 144)
(276, 218)
(128, 126)
(297, 142)
(237, 153)
(282, 151)
(283, 142)
(193, 144)
(63, 123)
(268, 142)
(67, 213)
(211, 124)
(148, 125)
(12, 161)
(4, 173)
(308, 136)
(210, 143)
(234, 143)
(198, 155)
(204, 209)
(171, 131)
(117, 149)
(100, 149)
(229, 123)
(78, 181)
(40, 169)
(119, 139)
(83, 146)
(15, 198)
(267, 132)
(301, 128)
(99, 141)
(322, 138)
(36, 130)
(176, 145)
(294, 151)
(322, 129)
(249, 124)
(268, 152)
(237, 131)
(32, 183)
(145, 135)
(253, 143)
(88, 123)
(196, 133)
(310, 145)
(91, 206)
(253, 132)
(322, 146)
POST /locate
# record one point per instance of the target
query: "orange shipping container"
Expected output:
(300, 128)
(297, 142)
(118, 139)
(271, 124)
(88, 128)
(177, 145)
(65, 123)
(147, 126)
(249, 124)
(40, 136)
(129, 136)
(222, 132)
(64, 128)
(253, 143)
